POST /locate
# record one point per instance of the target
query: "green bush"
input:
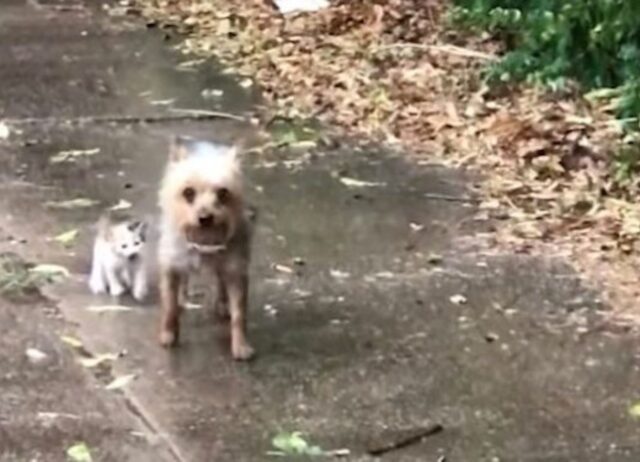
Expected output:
(594, 42)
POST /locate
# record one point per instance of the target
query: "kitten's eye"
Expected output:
(223, 195)
(189, 194)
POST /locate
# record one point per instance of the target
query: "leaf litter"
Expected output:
(560, 173)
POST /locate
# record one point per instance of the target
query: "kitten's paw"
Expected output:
(140, 292)
(97, 286)
(117, 290)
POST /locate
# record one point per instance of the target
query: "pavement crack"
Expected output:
(152, 427)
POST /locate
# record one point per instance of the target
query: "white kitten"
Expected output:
(120, 257)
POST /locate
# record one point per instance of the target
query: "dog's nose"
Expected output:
(133, 257)
(205, 220)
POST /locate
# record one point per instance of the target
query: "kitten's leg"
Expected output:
(116, 288)
(97, 279)
(126, 275)
(140, 283)
(170, 287)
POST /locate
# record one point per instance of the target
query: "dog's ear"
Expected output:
(178, 149)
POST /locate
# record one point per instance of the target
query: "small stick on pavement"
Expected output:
(448, 198)
(412, 438)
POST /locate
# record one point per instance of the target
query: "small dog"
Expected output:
(205, 224)
(119, 257)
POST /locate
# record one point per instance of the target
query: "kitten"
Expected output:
(120, 257)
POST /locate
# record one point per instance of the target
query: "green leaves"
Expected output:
(294, 444)
(79, 452)
(592, 41)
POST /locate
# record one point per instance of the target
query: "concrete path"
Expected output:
(395, 315)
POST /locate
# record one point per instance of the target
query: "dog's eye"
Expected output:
(189, 194)
(223, 195)
(124, 246)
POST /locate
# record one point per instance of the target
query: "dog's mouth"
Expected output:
(209, 233)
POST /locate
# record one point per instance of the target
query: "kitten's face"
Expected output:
(128, 239)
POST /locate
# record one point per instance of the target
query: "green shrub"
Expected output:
(594, 42)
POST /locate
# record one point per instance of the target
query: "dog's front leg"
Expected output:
(170, 286)
(237, 286)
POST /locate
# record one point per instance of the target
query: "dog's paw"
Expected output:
(242, 351)
(168, 338)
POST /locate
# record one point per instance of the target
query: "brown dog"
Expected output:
(205, 225)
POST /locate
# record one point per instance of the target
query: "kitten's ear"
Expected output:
(178, 149)
(138, 226)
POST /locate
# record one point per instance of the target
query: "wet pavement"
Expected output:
(375, 310)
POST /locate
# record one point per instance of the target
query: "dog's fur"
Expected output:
(120, 257)
(204, 225)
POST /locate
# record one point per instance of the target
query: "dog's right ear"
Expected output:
(178, 148)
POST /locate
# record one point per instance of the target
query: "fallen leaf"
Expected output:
(122, 205)
(162, 102)
(120, 382)
(78, 203)
(71, 341)
(458, 299)
(246, 83)
(79, 452)
(282, 268)
(97, 360)
(211, 93)
(50, 271)
(294, 444)
(35, 355)
(434, 259)
(67, 238)
(4, 131)
(339, 274)
(106, 308)
(353, 183)
(72, 155)
(634, 410)
(289, 6)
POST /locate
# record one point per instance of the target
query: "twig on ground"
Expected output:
(447, 198)
(450, 49)
(412, 438)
